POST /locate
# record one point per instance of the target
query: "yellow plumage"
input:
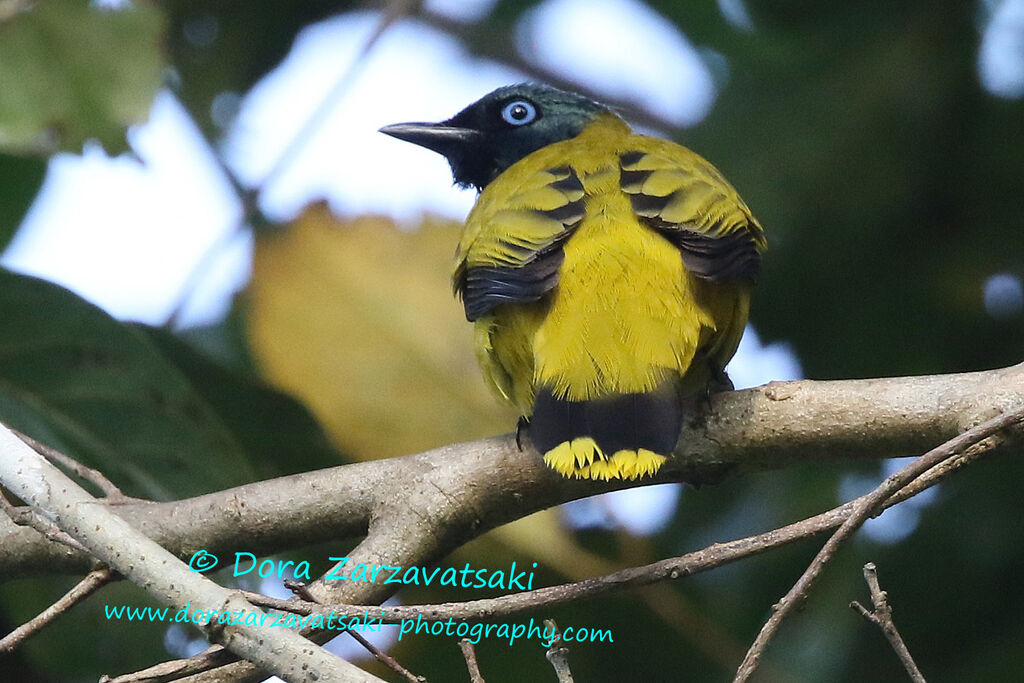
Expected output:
(626, 316)
(607, 273)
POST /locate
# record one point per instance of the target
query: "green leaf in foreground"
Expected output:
(20, 180)
(72, 71)
(102, 392)
(277, 431)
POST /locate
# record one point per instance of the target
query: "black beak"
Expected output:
(439, 137)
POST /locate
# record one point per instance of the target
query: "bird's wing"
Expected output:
(510, 251)
(685, 198)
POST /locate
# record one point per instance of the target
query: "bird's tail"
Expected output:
(624, 436)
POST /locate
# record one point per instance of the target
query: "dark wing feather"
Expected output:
(512, 254)
(485, 287)
(688, 201)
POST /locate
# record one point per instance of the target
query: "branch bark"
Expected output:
(30, 477)
(416, 509)
(866, 507)
(881, 617)
(756, 429)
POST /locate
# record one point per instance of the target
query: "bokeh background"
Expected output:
(239, 278)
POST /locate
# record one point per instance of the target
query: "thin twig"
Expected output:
(712, 557)
(882, 618)
(866, 507)
(469, 653)
(396, 10)
(699, 561)
(26, 516)
(384, 658)
(176, 669)
(69, 464)
(93, 581)
(249, 197)
(557, 652)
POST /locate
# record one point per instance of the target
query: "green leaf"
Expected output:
(277, 431)
(102, 392)
(20, 180)
(72, 72)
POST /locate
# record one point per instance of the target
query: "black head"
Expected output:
(501, 128)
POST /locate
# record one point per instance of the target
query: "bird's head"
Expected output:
(501, 128)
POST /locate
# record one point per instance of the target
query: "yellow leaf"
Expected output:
(357, 319)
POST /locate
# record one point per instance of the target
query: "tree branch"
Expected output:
(416, 509)
(281, 651)
(472, 665)
(882, 618)
(866, 507)
(709, 558)
(92, 582)
(712, 557)
(556, 654)
(768, 427)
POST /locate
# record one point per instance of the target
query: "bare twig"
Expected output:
(176, 669)
(557, 652)
(866, 507)
(94, 477)
(83, 589)
(882, 618)
(40, 484)
(697, 562)
(249, 197)
(384, 658)
(799, 421)
(26, 516)
(396, 10)
(469, 653)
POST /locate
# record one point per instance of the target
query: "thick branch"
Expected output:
(445, 506)
(674, 568)
(763, 428)
(281, 651)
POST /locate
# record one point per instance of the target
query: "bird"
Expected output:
(607, 273)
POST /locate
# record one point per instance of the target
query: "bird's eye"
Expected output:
(519, 113)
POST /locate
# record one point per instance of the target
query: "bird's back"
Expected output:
(607, 276)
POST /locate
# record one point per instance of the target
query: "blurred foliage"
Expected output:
(143, 407)
(78, 380)
(72, 72)
(859, 134)
(20, 180)
(889, 183)
(357, 320)
(225, 47)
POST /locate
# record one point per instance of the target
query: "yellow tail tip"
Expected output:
(583, 459)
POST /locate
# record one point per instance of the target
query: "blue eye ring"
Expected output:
(519, 113)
